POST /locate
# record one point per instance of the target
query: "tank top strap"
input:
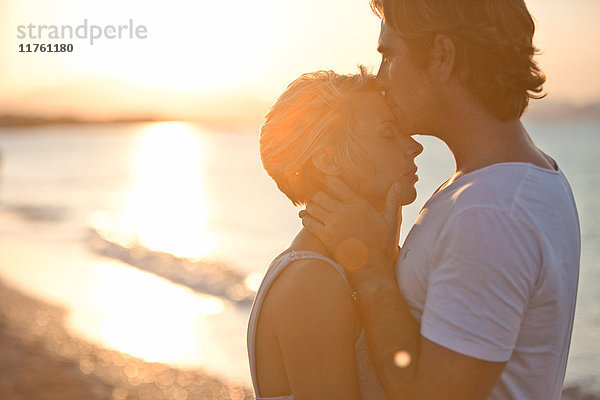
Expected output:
(305, 254)
(278, 265)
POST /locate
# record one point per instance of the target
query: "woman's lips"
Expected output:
(412, 174)
(412, 171)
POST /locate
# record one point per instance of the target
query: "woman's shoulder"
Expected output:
(310, 276)
(309, 290)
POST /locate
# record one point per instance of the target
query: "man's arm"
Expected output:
(408, 365)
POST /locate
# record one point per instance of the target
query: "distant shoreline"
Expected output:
(19, 121)
(538, 111)
(11, 120)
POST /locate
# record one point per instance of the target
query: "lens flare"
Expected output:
(402, 359)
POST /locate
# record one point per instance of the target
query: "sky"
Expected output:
(203, 58)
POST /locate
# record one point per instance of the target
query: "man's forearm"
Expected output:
(392, 332)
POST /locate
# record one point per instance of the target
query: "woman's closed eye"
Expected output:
(389, 133)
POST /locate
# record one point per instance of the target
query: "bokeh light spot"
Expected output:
(352, 254)
(253, 281)
(402, 359)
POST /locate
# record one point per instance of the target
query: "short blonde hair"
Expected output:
(314, 111)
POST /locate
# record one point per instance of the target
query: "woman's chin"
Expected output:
(408, 196)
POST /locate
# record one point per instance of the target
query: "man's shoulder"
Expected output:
(513, 197)
(493, 187)
(501, 187)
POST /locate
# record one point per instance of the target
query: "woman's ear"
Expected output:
(324, 161)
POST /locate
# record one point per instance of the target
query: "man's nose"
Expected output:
(381, 79)
(379, 86)
(382, 88)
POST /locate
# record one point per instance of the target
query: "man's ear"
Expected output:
(324, 161)
(443, 56)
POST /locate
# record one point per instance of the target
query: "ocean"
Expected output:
(153, 235)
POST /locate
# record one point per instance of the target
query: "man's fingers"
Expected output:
(325, 201)
(340, 190)
(313, 226)
(391, 214)
(318, 213)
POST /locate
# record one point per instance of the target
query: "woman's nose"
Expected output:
(415, 148)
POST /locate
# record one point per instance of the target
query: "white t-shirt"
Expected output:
(490, 270)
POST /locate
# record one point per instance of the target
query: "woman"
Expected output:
(305, 340)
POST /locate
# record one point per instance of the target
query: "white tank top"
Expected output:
(369, 385)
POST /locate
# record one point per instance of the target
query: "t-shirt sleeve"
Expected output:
(483, 272)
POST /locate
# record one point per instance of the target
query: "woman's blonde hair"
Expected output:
(314, 111)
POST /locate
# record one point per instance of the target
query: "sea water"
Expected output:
(202, 196)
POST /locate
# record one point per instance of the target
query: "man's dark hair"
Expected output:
(493, 41)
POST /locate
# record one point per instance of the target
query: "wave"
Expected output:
(38, 213)
(213, 278)
(581, 391)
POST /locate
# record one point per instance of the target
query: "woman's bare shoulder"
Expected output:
(310, 291)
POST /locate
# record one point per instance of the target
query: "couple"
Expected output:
(479, 301)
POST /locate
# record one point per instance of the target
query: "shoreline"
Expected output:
(42, 360)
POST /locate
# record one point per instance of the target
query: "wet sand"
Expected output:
(41, 360)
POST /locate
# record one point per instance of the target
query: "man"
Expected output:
(481, 302)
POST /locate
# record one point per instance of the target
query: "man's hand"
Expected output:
(364, 242)
(353, 231)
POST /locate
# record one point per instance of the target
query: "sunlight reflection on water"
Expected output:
(145, 316)
(165, 208)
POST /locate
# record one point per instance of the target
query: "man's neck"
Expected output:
(477, 139)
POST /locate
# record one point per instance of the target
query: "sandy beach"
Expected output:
(40, 360)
